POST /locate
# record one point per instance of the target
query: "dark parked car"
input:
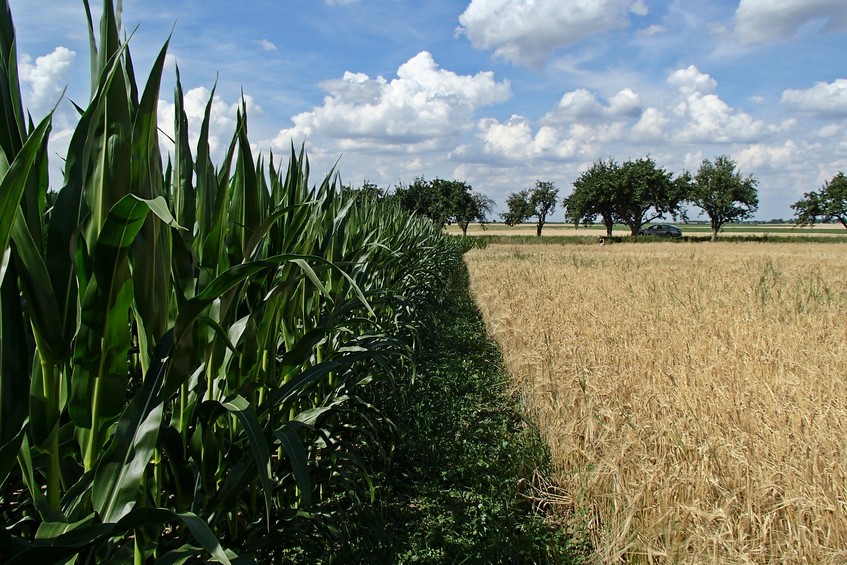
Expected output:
(661, 230)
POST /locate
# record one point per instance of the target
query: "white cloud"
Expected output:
(45, 78)
(825, 99)
(222, 119)
(651, 126)
(423, 105)
(584, 127)
(581, 104)
(578, 104)
(711, 120)
(761, 21)
(705, 117)
(528, 31)
(514, 142)
(267, 45)
(654, 29)
(625, 103)
(692, 81)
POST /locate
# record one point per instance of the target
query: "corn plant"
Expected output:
(190, 353)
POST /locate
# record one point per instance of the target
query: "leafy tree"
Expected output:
(538, 202)
(439, 200)
(473, 207)
(593, 195)
(542, 199)
(368, 192)
(369, 189)
(827, 204)
(633, 193)
(722, 193)
(519, 209)
(645, 192)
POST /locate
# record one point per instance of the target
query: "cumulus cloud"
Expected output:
(45, 78)
(707, 118)
(651, 125)
(529, 31)
(762, 21)
(423, 105)
(222, 119)
(583, 126)
(581, 104)
(514, 141)
(824, 99)
(762, 157)
(711, 120)
(578, 104)
(692, 81)
(625, 103)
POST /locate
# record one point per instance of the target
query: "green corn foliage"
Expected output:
(190, 353)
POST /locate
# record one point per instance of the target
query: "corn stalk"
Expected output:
(189, 352)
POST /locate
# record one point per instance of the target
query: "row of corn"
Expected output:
(191, 354)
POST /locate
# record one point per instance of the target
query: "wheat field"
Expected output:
(694, 396)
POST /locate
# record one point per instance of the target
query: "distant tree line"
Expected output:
(637, 192)
(442, 201)
(632, 193)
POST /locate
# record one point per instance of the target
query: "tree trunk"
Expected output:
(633, 230)
(538, 227)
(609, 225)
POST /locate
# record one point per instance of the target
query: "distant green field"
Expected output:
(561, 229)
(786, 229)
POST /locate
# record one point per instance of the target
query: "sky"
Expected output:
(495, 93)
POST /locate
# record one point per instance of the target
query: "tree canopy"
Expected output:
(538, 202)
(827, 204)
(472, 207)
(444, 201)
(593, 195)
(519, 209)
(720, 191)
(633, 193)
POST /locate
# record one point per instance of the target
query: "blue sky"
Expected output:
(497, 93)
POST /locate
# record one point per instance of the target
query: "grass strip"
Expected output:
(459, 483)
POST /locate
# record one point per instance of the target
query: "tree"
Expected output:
(634, 193)
(645, 192)
(538, 202)
(542, 199)
(473, 207)
(593, 195)
(439, 200)
(722, 193)
(519, 209)
(827, 204)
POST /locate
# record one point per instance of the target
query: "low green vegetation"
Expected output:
(459, 486)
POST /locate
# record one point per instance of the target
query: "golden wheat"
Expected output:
(693, 395)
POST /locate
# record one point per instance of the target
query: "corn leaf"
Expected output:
(259, 447)
(118, 475)
(296, 453)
